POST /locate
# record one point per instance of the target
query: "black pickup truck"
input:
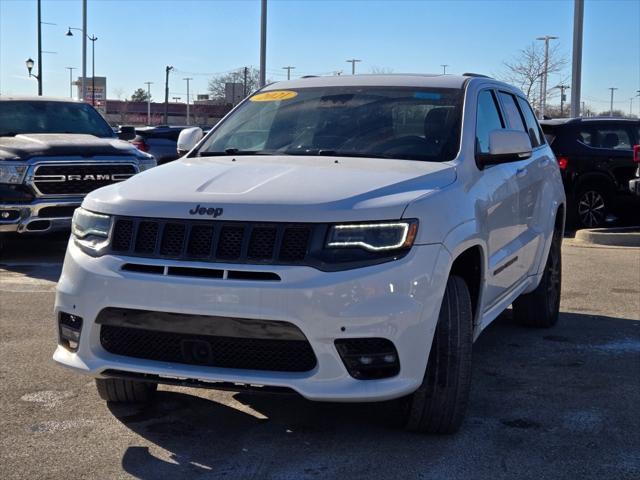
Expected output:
(52, 153)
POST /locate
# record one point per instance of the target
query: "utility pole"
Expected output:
(39, 49)
(613, 89)
(188, 79)
(244, 88)
(263, 43)
(444, 68)
(543, 84)
(166, 94)
(84, 50)
(562, 98)
(71, 69)
(93, 70)
(148, 102)
(288, 69)
(353, 62)
(576, 60)
(175, 99)
(631, 106)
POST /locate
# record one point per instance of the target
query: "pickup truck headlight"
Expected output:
(12, 174)
(374, 237)
(91, 230)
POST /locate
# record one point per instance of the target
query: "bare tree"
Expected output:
(375, 69)
(217, 84)
(525, 71)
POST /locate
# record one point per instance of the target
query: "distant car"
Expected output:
(595, 156)
(634, 185)
(160, 141)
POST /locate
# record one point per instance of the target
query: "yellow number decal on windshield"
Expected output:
(274, 96)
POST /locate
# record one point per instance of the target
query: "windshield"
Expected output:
(385, 122)
(39, 116)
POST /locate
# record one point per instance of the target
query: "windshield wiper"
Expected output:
(338, 153)
(234, 151)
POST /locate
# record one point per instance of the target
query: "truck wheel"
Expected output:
(439, 404)
(592, 206)
(125, 391)
(541, 307)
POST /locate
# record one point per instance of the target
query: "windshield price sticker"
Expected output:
(274, 96)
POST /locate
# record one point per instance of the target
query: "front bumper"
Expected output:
(39, 216)
(399, 301)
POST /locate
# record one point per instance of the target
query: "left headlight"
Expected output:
(375, 236)
(91, 230)
(12, 174)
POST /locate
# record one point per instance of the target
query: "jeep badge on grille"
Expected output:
(211, 211)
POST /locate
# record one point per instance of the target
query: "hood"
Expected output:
(26, 146)
(275, 188)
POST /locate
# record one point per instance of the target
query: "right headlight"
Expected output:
(91, 230)
(11, 173)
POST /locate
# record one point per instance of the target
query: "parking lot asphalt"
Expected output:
(562, 403)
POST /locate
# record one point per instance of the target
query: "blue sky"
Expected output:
(137, 38)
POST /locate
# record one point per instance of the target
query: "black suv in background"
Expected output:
(595, 156)
(161, 141)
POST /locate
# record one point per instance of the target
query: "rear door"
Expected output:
(614, 142)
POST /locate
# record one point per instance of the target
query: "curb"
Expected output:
(617, 237)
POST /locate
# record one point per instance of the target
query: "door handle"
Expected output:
(521, 172)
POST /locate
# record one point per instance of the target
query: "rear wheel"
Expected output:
(541, 307)
(592, 206)
(125, 391)
(439, 405)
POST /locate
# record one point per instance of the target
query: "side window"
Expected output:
(585, 136)
(511, 111)
(487, 119)
(615, 138)
(532, 125)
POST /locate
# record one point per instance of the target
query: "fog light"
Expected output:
(369, 358)
(9, 215)
(69, 330)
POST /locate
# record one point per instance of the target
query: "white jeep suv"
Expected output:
(346, 238)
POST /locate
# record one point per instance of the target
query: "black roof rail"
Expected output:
(310, 76)
(470, 74)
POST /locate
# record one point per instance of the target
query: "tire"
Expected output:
(439, 404)
(591, 206)
(541, 307)
(125, 391)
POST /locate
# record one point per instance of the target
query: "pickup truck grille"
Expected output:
(74, 179)
(214, 241)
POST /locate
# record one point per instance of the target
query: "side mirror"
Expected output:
(127, 133)
(188, 138)
(506, 146)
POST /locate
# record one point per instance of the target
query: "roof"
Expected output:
(587, 120)
(388, 80)
(37, 99)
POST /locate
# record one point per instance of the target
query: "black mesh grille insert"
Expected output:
(261, 244)
(230, 243)
(214, 351)
(172, 239)
(122, 233)
(147, 237)
(200, 241)
(78, 179)
(295, 244)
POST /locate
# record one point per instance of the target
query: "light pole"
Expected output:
(188, 79)
(444, 68)
(353, 62)
(30, 63)
(167, 69)
(630, 106)
(562, 97)
(613, 89)
(543, 83)
(576, 61)
(263, 43)
(148, 102)
(288, 69)
(93, 63)
(71, 69)
(175, 99)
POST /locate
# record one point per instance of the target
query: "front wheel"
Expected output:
(125, 391)
(541, 307)
(592, 207)
(439, 405)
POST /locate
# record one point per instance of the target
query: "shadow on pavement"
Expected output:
(38, 257)
(566, 393)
